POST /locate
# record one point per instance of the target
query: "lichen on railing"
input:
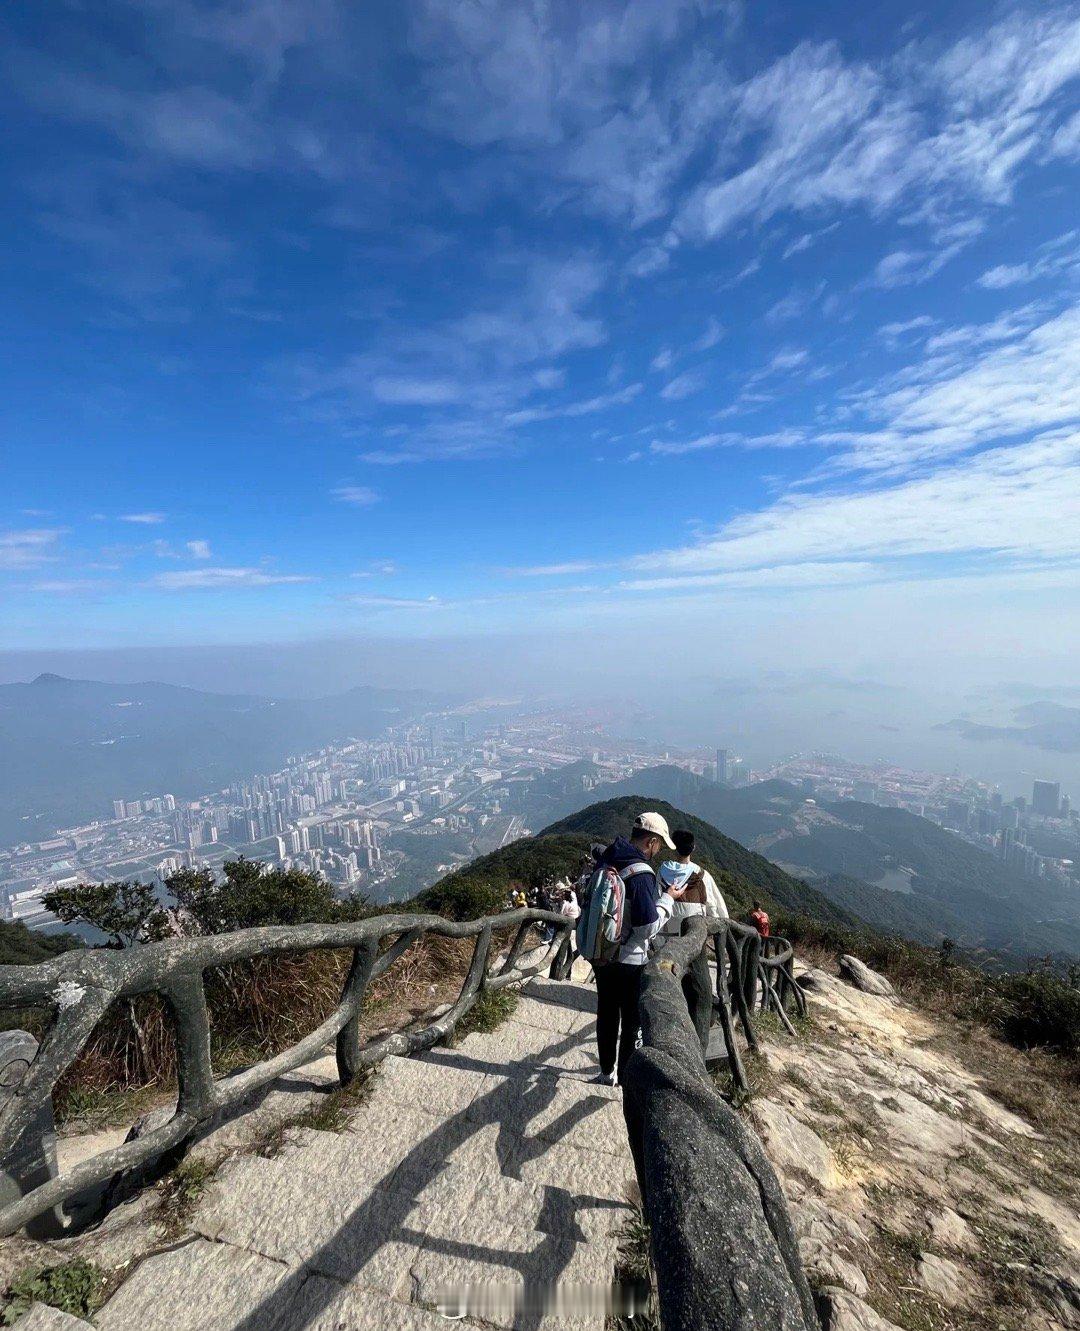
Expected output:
(80, 987)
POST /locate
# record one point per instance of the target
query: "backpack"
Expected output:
(604, 923)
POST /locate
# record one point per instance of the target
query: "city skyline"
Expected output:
(353, 322)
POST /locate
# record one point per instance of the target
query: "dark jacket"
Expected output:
(649, 908)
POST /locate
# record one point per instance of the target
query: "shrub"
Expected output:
(77, 1287)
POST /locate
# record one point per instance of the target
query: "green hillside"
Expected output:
(558, 851)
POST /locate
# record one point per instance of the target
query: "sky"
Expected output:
(747, 336)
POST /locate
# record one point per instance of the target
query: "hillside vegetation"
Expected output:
(558, 852)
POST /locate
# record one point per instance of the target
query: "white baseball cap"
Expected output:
(656, 824)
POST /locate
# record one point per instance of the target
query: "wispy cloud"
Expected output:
(992, 505)
(585, 407)
(198, 549)
(1056, 257)
(394, 602)
(892, 331)
(222, 579)
(143, 519)
(68, 586)
(790, 438)
(29, 548)
(683, 385)
(970, 393)
(358, 496)
(554, 570)
(378, 568)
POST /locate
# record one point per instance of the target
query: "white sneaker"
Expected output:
(604, 1079)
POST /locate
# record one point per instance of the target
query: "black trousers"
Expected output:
(617, 1020)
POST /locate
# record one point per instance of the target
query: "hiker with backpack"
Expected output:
(622, 908)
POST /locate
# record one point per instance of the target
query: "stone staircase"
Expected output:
(494, 1164)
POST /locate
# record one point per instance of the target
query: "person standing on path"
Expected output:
(618, 982)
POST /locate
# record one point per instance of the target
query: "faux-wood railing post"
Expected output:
(186, 998)
(347, 1045)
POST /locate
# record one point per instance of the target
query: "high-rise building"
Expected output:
(1046, 799)
(722, 766)
(118, 808)
(170, 803)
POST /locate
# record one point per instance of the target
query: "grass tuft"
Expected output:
(182, 1189)
(487, 1014)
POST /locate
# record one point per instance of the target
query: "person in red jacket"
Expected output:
(760, 920)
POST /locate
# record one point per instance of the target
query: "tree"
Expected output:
(251, 895)
(126, 912)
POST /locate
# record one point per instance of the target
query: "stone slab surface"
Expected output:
(42, 1317)
(492, 1163)
(198, 1286)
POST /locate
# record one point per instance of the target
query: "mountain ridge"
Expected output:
(958, 890)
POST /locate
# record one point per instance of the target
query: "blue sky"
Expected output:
(464, 317)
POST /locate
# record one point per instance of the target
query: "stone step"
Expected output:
(204, 1286)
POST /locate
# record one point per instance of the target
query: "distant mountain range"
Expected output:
(1044, 725)
(891, 868)
(68, 747)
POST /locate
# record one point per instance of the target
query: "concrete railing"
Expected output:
(81, 986)
(723, 1246)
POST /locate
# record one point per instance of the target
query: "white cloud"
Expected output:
(663, 360)
(460, 377)
(28, 549)
(378, 568)
(892, 331)
(199, 549)
(779, 576)
(985, 383)
(729, 439)
(714, 331)
(813, 131)
(683, 385)
(395, 602)
(554, 570)
(586, 407)
(995, 504)
(143, 519)
(223, 579)
(1058, 256)
(359, 496)
(67, 586)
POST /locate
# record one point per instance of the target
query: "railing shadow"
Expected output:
(512, 1105)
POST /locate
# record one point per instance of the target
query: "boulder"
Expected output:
(944, 1280)
(950, 1230)
(824, 1266)
(859, 974)
(841, 1311)
(792, 1147)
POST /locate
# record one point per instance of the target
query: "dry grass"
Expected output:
(257, 1008)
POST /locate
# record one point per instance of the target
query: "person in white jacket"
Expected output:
(701, 897)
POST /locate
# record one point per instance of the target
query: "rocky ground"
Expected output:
(921, 1201)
